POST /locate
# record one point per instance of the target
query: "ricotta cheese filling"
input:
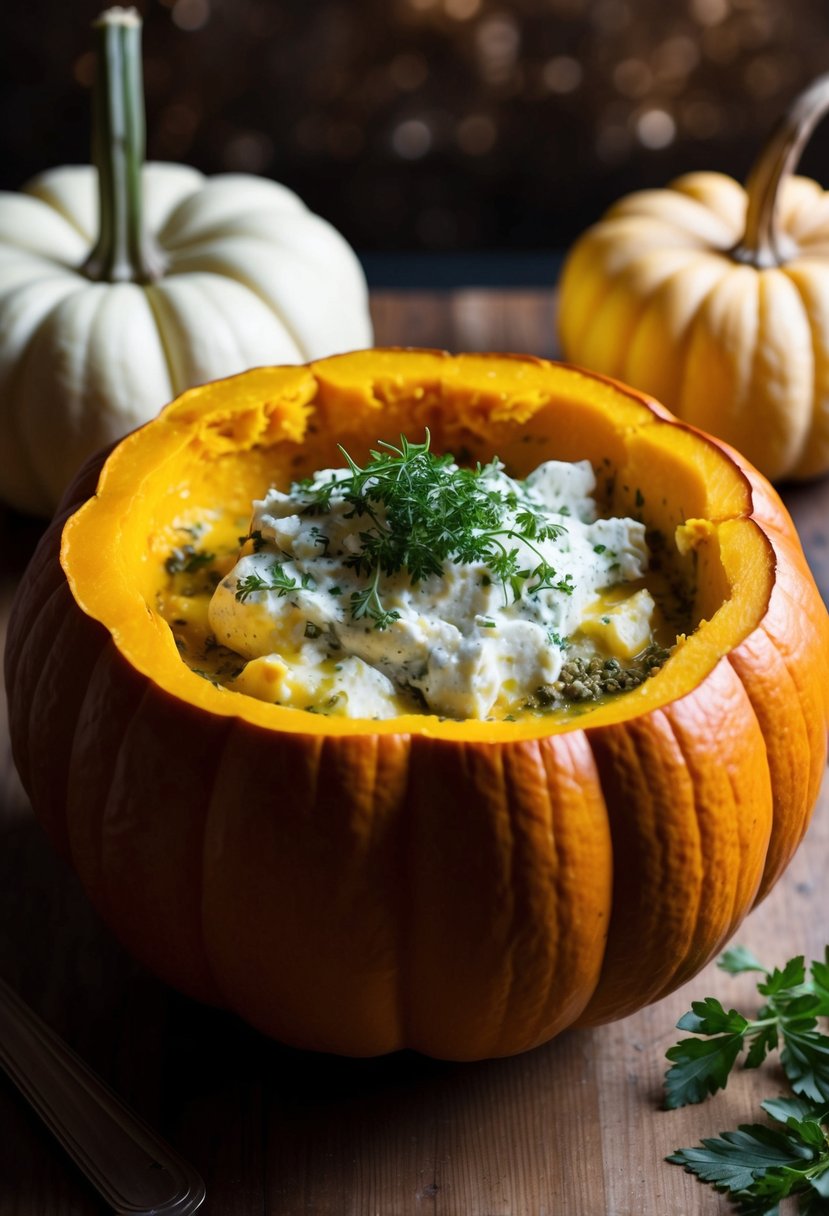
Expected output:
(459, 592)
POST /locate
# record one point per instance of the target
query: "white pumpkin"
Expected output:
(247, 276)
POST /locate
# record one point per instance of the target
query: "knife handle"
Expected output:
(134, 1170)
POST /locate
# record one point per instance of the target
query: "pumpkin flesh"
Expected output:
(227, 450)
(465, 888)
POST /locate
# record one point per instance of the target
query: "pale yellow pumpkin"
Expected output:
(715, 299)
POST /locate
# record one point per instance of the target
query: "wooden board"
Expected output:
(572, 1129)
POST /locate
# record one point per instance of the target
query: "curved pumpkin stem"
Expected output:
(762, 244)
(123, 252)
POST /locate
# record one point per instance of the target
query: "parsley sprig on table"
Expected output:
(420, 511)
(759, 1165)
(789, 1017)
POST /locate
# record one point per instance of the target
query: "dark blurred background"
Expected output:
(430, 125)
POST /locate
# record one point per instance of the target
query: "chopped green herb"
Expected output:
(321, 539)
(207, 675)
(258, 539)
(187, 559)
(312, 630)
(599, 548)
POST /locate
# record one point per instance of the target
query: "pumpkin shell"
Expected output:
(467, 889)
(252, 277)
(652, 295)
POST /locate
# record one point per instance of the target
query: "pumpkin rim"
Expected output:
(146, 643)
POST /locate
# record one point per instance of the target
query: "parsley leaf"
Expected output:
(709, 1017)
(805, 1060)
(739, 959)
(779, 981)
(735, 1160)
(788, 1019)
(700, 1067)
(759, 1166)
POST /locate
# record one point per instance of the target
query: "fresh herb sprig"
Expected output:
(278, 580)
(421, 510)
(794, 1002)
(757, 1165)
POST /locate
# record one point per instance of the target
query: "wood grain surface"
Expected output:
(571, 1129)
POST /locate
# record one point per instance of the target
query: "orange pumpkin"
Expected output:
(465, 888)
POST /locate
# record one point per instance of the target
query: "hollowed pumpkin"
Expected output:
(468, 889)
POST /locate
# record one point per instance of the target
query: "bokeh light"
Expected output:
(430, 124)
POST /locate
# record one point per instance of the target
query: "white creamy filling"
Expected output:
(461, 639)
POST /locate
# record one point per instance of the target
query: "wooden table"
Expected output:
(571, 1129)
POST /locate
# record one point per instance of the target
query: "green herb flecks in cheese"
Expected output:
(456, 587)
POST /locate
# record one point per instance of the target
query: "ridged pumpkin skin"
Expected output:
(85, 362)
(468, 889)
(122, 284)
(652, 294)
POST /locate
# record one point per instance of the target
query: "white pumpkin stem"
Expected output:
(124, 252)
(763, 244)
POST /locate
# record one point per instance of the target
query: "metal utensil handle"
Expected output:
(135, 1171)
